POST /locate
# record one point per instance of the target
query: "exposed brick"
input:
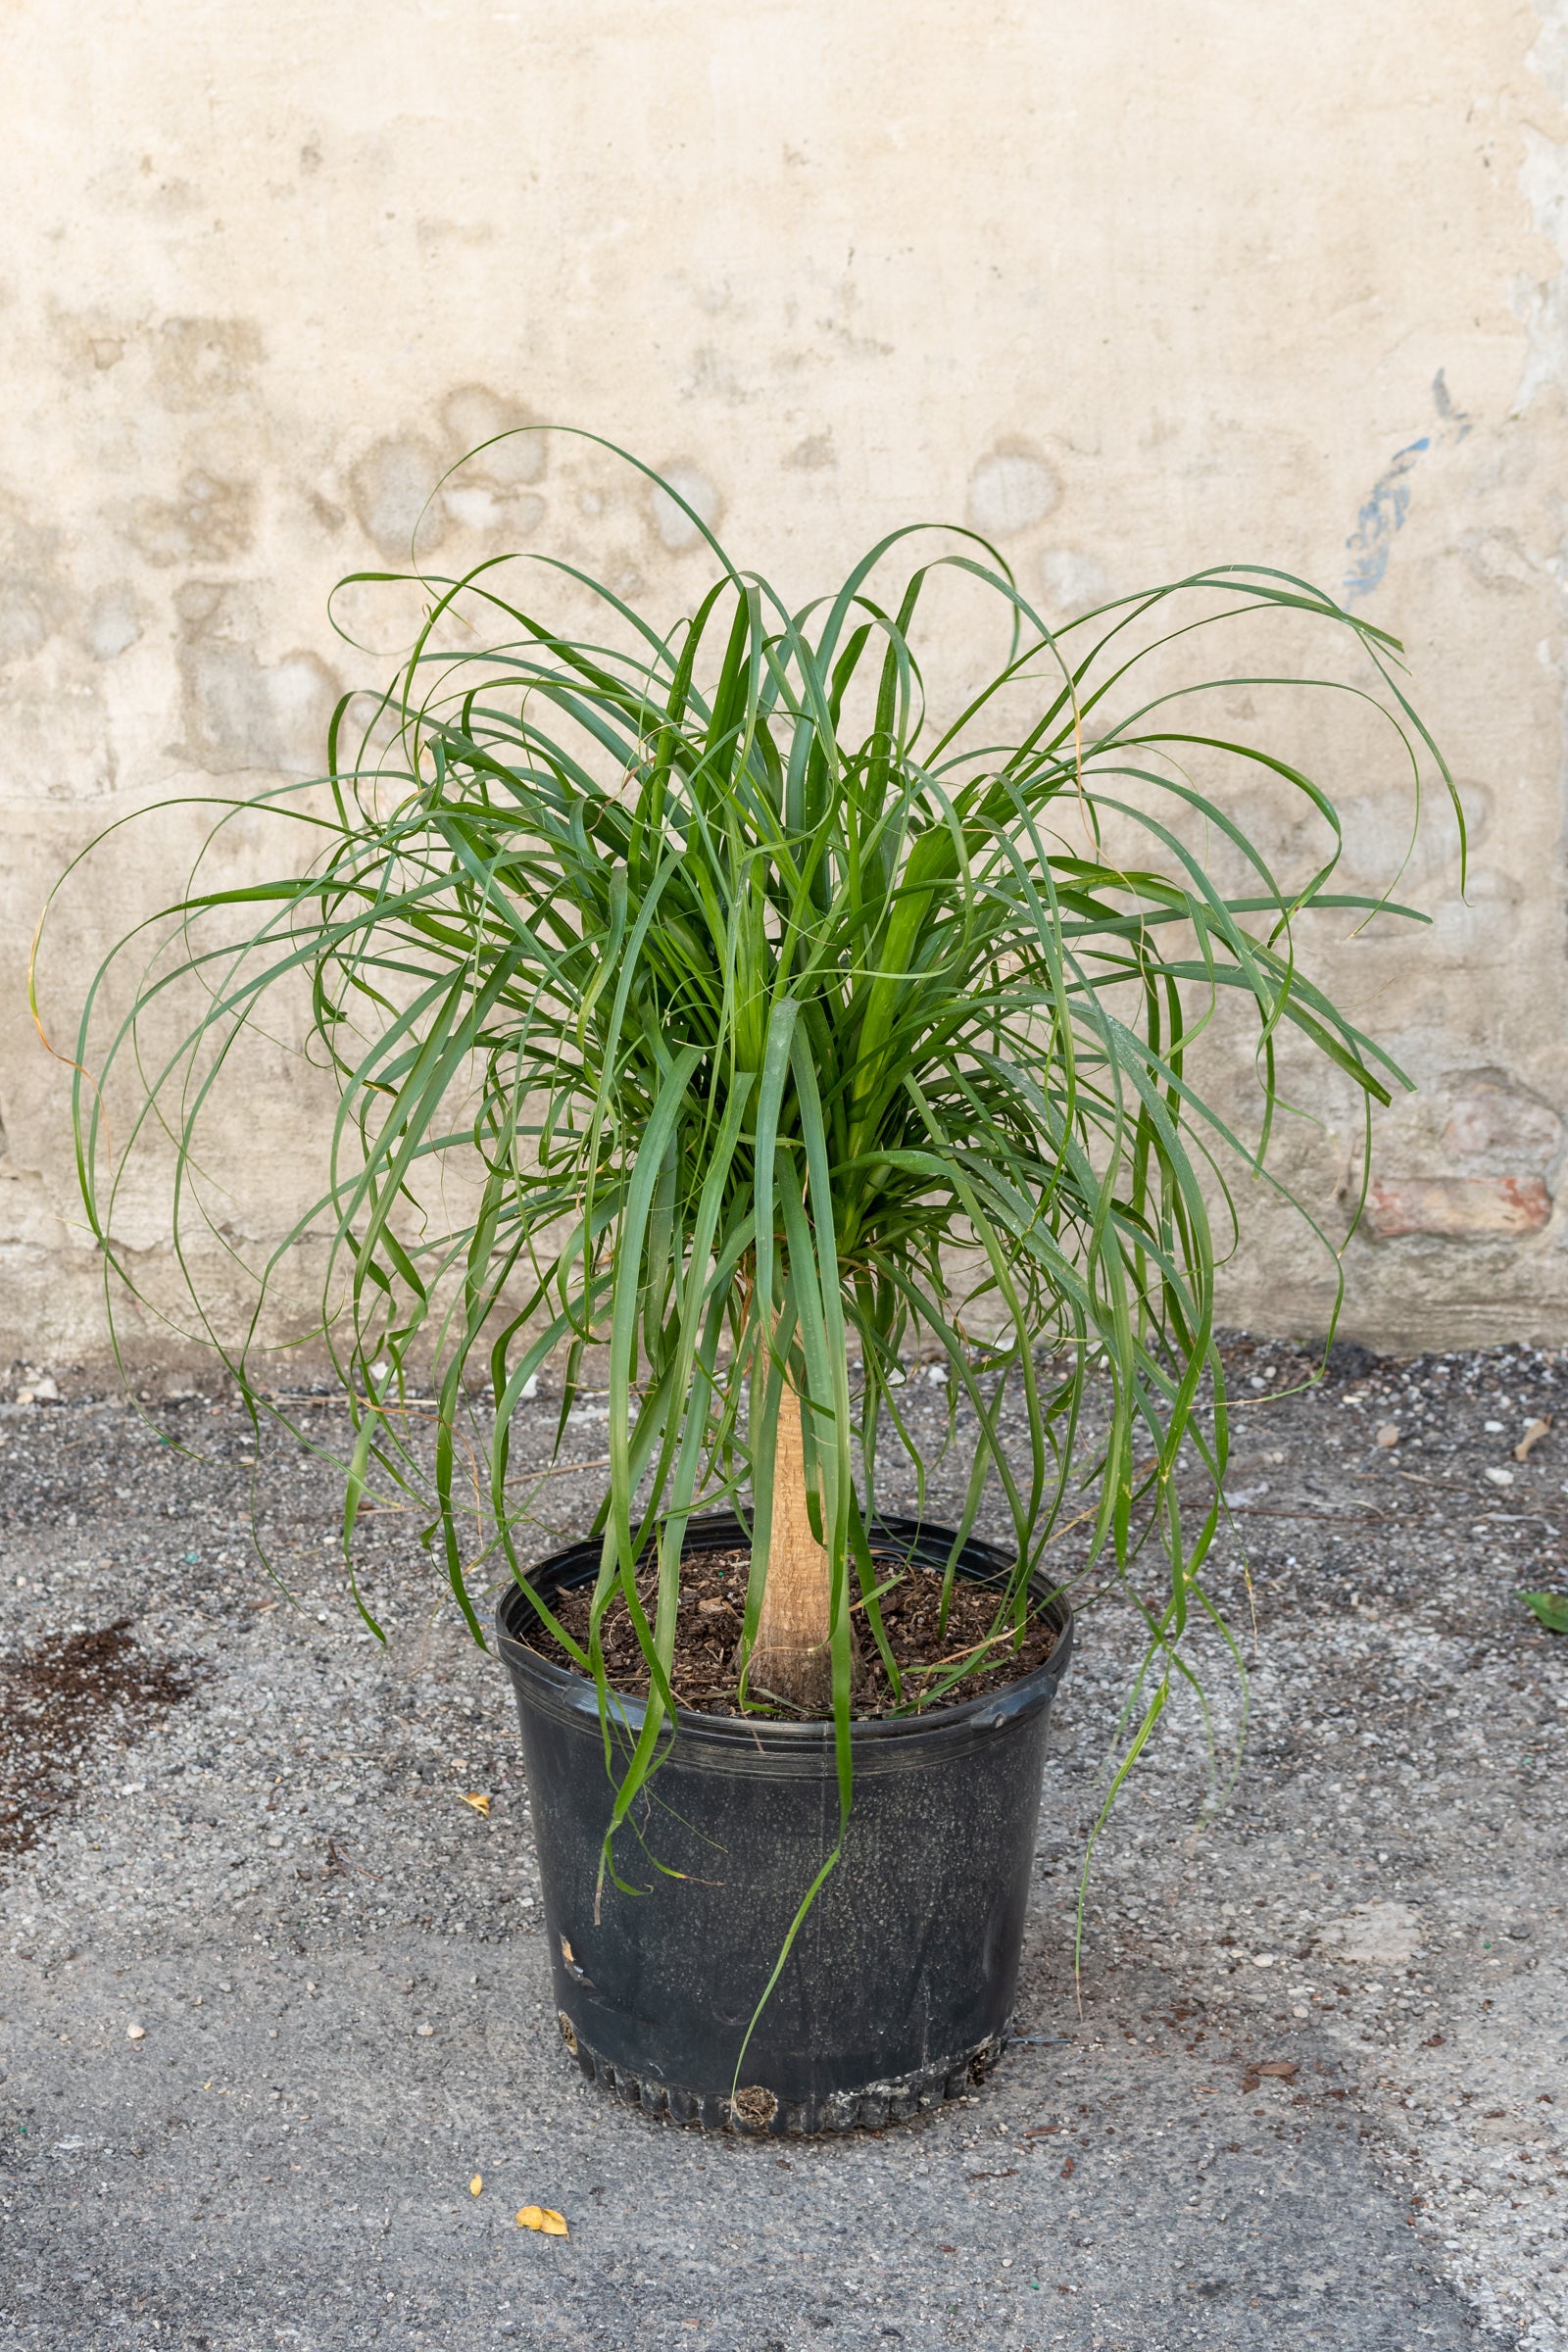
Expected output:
(1457, 1207)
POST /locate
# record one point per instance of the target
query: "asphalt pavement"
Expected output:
(278, 2065)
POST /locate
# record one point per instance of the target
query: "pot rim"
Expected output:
(985, 1562)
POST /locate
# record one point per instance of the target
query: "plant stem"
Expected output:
(791, 1656)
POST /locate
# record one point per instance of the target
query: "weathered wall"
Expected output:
(1141, 287)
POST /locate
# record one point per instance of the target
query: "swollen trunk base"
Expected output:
(791, 1656)
(899, 1984)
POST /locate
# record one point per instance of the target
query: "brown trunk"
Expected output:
(791, 1656)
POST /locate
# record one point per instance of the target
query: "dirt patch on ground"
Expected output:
(927, 1649)
(56, 1702)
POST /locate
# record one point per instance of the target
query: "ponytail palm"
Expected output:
(786, 1025)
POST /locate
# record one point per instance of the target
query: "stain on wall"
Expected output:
(242, 711)
(198, 364)
(205, 522)
(113, 621)
(813, 454)
(1013, 486)
(34, 599)
(393, 488)
(504, 444)
(678, 532)
(1073, 580)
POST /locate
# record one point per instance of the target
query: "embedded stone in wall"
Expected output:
(1492, 1113)
(1459, 1208)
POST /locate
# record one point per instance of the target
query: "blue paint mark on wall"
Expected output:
(1446, 408)
(1383, 512)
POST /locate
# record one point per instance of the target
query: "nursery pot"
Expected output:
(899, 1984)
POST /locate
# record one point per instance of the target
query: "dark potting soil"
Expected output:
(712, 1606)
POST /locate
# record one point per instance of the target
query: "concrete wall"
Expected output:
(1140, 286)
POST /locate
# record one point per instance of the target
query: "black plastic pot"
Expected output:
(900, 1985)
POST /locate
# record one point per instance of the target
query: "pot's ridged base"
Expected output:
(756, 2110)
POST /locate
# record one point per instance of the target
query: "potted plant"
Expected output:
(788, 1014)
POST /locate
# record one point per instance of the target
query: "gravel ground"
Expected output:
(277, 1992)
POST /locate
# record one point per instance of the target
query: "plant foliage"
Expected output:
(784, 1022)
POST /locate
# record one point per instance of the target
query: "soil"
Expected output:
(53, 1702)
(707, 1632)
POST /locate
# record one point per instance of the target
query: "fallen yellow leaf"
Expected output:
(1532, 1438)
(545, 2219)
(475, 2184)
(481, 1803)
